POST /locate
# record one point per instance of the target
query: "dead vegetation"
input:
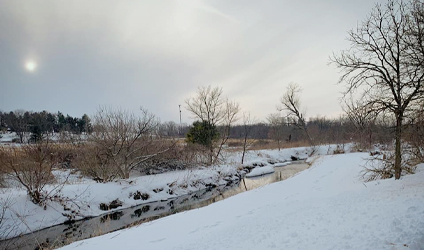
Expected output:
(380, 165)
(31, 165)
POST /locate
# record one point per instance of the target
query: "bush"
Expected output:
(91, 163)
(381, 165)
(31, 166)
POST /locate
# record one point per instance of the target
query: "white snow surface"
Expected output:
(258, 171)
(22, 216)
(324, 207)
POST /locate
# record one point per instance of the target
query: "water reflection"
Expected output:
(66, 233)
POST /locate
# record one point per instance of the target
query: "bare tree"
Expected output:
(278, 128)
(363, 117)
(123, 140)
(231, 109)
(386, 61)
(248, 121)
(17, 122)
(169, 129)
(212, 108)
(290, 103)
(415, 134)
(207, 105)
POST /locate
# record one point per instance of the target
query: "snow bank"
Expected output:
(282, 164)
(23, 216)
(258, 171)
(323, 207)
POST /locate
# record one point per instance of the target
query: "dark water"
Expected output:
(63, 234)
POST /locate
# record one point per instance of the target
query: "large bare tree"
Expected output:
(385, 62)
(212, 108)
(290, 102)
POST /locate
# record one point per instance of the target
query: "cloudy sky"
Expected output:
(72, 56)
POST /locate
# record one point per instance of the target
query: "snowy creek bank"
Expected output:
(326, 206)
(119, 218)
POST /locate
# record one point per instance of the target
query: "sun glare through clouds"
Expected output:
(30, 66)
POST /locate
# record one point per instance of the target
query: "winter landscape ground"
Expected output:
(327, 206)
(324, 207)
(23, 216)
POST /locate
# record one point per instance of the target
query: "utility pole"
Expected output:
(179, 107)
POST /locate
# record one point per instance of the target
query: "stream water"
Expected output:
(63, 234)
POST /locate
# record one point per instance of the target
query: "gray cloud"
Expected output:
(156, 53)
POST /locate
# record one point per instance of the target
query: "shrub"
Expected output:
(31, 165)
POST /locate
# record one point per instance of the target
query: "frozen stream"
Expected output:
(66, 233)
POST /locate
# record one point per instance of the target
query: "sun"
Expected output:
(30, 66)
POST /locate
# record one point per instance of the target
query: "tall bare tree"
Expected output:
(385, 62)
(290, 102)
(248, 122)
(211, 107)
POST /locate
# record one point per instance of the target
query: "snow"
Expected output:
(8, 137)
(24, 217)
(281, 164)
(324, 207)
(258, 171)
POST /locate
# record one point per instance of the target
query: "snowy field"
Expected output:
(324, 207)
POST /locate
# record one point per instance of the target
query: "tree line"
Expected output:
(38, 124)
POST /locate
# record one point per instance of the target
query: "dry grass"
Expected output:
(235, 145)
(271, 144)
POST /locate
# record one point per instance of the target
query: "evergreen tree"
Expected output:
(202, 133)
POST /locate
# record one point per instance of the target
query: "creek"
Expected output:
(67, 233)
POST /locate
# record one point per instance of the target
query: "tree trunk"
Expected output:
(244, 149)
(211, 155)
(398, 153)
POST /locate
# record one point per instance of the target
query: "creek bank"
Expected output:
(66, 233)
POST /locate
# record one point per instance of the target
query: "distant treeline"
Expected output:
(40, 123)
(278, 129)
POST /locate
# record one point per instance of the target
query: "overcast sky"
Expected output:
(72, 56)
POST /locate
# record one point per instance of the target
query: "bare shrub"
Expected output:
(122, 139)
(378, 168)
(92, 163)
(382, 165)
(5, 204)
(122, 142)
(31, 165)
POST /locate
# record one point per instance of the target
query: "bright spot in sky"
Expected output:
(30, 66)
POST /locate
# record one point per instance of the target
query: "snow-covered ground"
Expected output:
(22, 216)
(258, 171)
(324, 207)
(8, 137)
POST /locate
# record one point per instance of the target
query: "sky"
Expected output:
(74, 56)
